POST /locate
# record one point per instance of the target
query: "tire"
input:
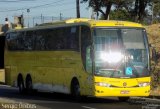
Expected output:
(123, 99)
(29, 86)
(75, 90)
(21, 85)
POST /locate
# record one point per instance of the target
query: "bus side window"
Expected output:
(20, 40)
(11, 41)
(8, 36)
(86, 48)
(29, 40)
(39, 40)
(74, 38)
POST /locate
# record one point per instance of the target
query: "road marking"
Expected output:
(88, 107)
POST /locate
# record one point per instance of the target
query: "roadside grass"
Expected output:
(153, 32)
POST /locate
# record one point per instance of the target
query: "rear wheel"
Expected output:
(123, 99)
(21, 85)
(29, 87)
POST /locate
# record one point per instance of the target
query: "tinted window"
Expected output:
(66, 38)
(58, 39)
(11, 41)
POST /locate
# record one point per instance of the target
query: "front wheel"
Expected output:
(75, 90)
(123, 99)
(29, 86)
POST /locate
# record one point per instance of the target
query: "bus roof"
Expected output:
(96, 23)
(89, 22)
(102, 23)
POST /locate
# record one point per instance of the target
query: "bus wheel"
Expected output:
(29, 86)
(75, 90)
(123, 99)
(21, 85)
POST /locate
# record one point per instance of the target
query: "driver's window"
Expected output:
(86, 48)
(88, 60)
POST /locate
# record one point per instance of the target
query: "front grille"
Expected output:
(123, 86)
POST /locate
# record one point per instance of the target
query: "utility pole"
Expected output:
(33, 21)
(60, 16)
(28, 10)
(22, 20)
(52, 18)
(77, 8)
(41, 18)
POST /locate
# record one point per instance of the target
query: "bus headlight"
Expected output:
(144, 84)
(111, 57)
(102, 84)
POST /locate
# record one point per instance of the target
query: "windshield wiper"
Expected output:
(125, 77)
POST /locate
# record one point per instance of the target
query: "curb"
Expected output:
(154, 96)
(145, 100)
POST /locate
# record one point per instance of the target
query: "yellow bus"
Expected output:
(82, 57)
(2, 73)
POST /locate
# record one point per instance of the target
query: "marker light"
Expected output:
(144, 84)
(102, 84)
(111, 57)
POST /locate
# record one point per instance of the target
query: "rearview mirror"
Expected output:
(155, 55)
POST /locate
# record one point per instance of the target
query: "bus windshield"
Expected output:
(121, 52)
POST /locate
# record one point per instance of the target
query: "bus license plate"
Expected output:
(124, 92)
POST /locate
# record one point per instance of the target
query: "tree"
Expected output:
(136, 9)
(120, 14)
(155, 8)
(140, 6)
(103, 6)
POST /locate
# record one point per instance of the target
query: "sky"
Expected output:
(49, 9)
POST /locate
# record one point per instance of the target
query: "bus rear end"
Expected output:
(2, 73)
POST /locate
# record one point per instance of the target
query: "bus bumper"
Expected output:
(109, 91)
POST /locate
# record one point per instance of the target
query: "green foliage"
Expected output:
(153, 33)
(120, 14)
(155, 76)
(132, 10)
(104, 6)
(157, 9)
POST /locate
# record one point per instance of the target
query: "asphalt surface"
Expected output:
(62, 101)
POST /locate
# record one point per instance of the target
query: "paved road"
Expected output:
(61, 101)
